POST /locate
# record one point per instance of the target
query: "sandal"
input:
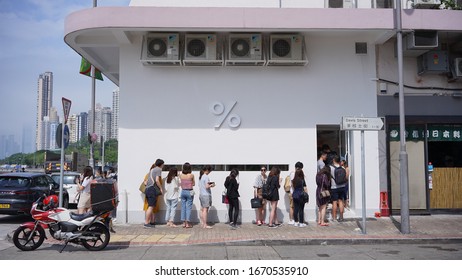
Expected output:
(324, 225)
(259, 223)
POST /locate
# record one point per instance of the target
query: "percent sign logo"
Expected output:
(218, 109)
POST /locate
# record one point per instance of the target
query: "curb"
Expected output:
(305, 242)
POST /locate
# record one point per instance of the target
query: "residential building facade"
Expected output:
(240, 84)
(44, 104)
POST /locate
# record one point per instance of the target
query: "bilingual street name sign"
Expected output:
(362, 123)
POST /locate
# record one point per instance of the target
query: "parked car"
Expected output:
(69, 184)
(20, 189)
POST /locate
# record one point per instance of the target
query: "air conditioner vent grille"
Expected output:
(156, 47)
(240, 47)
(196, 47)
(281, 48)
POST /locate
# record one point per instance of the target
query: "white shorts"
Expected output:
(84, 201)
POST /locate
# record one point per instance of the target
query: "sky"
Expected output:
(31, 43)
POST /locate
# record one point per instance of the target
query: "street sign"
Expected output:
(66, 108)
(360, 123)
(66, 135)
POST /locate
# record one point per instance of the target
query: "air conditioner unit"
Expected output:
(287, 50)
(340, 4)
(383, 4)
(202, 49)
(458, 66)
(419, 42)
(160, 49)
(426, 4)
(245, 50)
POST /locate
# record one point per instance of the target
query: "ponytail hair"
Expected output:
(205, 168)
(171, 174)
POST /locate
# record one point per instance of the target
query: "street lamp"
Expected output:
(403, 156)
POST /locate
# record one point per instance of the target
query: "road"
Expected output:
(205, 252)
(50, 251)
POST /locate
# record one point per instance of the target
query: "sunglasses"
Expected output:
(263, 170)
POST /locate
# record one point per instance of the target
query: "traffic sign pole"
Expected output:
(362, 124)
(61, 170)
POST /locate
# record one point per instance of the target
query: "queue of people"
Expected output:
(179, 187)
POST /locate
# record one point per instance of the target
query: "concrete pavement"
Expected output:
(384, 230)
(424, 229)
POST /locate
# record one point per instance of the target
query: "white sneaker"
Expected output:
(295, 224)
(291, 222)
(302, 225)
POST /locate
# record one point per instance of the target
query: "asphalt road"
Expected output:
(210, 252)
(205, 252)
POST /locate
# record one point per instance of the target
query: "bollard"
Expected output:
(384, 209)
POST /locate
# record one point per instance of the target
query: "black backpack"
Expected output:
(266, 190)
(340, 176)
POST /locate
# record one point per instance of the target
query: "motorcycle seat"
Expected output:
(80, 217)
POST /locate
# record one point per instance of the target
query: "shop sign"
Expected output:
(450, 133)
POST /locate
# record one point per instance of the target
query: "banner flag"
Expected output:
(85, 69)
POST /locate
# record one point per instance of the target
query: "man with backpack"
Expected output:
(339, 182)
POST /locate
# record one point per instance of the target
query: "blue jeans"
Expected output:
(186, 205)
(171, 209)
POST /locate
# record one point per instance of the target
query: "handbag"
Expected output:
(156, 187)
(224, 198)
(324, 193)
(256, 202)
(142, 187)
(305, 197)
(158, 191)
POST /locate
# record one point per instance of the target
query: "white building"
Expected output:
(115, 114)
(199, 100)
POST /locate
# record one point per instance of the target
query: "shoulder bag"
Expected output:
(256, 202)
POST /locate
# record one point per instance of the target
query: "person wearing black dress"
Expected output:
(232, 191)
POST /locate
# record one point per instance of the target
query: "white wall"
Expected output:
(247, 3)
(165, 113)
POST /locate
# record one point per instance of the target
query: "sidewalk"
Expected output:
(424, 229)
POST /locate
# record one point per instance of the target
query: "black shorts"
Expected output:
(151, 196)
(338, 194)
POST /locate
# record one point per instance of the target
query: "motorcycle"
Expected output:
(90, 229)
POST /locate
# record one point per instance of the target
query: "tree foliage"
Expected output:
(82, 147)
(450, 5)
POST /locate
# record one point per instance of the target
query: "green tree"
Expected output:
(450, 5)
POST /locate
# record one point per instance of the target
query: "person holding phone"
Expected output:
(232, 191)
(205, 195)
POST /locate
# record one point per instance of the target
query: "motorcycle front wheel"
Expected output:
(25, 239)
(100, 235)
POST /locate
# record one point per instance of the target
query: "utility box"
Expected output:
(433, 62)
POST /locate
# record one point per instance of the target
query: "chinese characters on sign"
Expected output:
(434, 133)
(362, 123)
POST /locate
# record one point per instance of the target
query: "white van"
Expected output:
(69, 184)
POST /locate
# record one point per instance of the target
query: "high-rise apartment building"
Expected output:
(102, 122)
(8, 146)
(115, 114)
(106, 123)
(82, 126)
(73, 128)
(44, 104)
